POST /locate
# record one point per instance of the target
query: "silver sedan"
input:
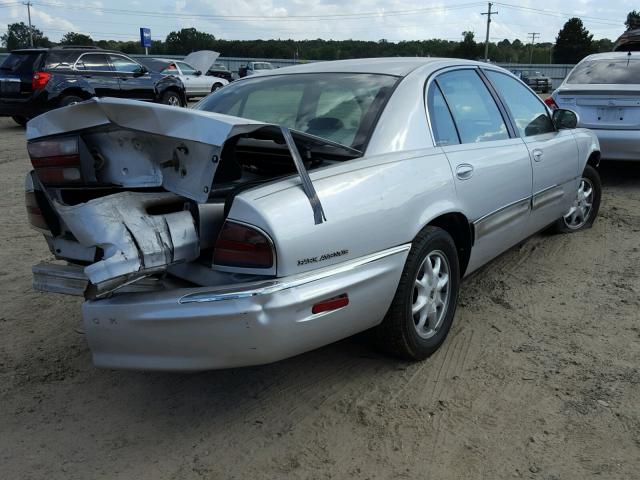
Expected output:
(295, 208)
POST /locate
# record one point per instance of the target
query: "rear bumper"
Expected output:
(204, 328)
(29, 107)
(619, 144)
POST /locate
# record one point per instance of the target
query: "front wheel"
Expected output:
(585, 206)
(20, 120)
(215, 87)
(424, 305)
(171, 98)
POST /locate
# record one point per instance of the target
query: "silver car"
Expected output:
(291, 210)
(604, 90)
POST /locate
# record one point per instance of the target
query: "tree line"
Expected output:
(573, 43)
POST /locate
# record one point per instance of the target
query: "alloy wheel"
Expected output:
(431, 294)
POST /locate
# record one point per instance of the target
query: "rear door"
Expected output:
(553, 153)
(96, 71)
(133, 84)
(491, 166)
(16, 73)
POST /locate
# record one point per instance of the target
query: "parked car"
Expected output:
(604, 91)
(291, 210)
(220, 71)
(629, 41)
(34, 81)
(535, 80)
(252, 68)
(196, 84)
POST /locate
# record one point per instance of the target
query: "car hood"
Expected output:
(202, 60)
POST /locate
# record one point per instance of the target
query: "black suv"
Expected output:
(34, 81)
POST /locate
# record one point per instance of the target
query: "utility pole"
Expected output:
(533, 36)
(486, 42)
(28, 4)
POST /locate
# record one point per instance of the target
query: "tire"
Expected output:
(171, 98)
(585, 207)
(398, 333)
(20, 120)
(215, 87)
(70, 100)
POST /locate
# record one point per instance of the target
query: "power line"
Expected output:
(555, 13)
(533, 41)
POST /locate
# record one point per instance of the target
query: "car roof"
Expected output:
(66, 49)
(398, 66)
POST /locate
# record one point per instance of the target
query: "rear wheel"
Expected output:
(584, 210)
(69, 100)
(20, 120)
(171, 98)
(423, 308)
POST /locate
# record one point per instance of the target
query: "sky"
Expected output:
(393, 20)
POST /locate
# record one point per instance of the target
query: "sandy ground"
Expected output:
(539, 377)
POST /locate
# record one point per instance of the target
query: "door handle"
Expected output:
(538, 154)
(464, 171)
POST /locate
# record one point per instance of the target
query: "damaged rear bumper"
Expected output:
(250, 324)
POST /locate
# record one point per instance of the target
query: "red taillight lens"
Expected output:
(242, 246)
(551, 103)
(34, 214)
(39, 80)
(56, 161)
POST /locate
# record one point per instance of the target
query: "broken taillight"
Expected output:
(243, 246)
(34, 214)
(56, 161)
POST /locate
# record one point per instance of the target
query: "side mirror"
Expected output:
(140, 72)
(564, 119)
(198, 73)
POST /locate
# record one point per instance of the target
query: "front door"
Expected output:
(491, 166)
(133, 83)
(194, 84)
(553, 153)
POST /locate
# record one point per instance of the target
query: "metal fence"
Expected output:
(557, 73)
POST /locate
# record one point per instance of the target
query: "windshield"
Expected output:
(340, 107)
(606, 71)
(21, 63)
(262, 66)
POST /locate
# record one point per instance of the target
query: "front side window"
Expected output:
(123, 64)
(186, 69)
(529, 113)
(341, 107)
(94, 62)
(474, 111)
(442, 126)
(606, 71)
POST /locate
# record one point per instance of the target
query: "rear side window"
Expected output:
(474, 111)
(442, 126)
(21, 63)
(606, 71)
(94, 62)
(528, 111)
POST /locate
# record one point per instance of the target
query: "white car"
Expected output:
(196, 84)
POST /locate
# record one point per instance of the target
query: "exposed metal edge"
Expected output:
(266, 288)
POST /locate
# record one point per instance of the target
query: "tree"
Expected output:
(633, 20)
(189, 40)
(573, 43)
(468, 48)
(17, 36)
(73, 38)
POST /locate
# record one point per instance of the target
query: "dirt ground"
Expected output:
(539, 377)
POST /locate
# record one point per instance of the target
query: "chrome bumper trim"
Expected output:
(269, 287)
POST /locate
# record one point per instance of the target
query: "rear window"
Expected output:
(606, 71)
(21, 63)
(341, 107)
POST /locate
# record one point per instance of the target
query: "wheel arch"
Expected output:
(77, 91)
(594, 159)
(458, 226)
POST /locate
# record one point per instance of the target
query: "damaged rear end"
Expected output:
(134, 197)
